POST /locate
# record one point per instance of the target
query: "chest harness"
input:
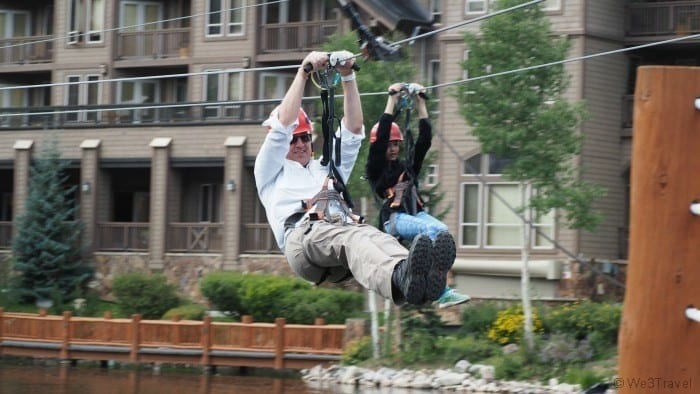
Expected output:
(332, 203)
(405, 192)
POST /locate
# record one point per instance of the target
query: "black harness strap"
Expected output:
(332, 143)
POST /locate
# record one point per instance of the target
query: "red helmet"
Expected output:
(394, 135)
(304, 126)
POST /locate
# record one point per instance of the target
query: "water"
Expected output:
(65, 379)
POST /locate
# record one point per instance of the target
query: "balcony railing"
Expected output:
(297, 36)
(21, 50)
(119, 115)
(122, 236)
(258, 238)
(195, 237)
(663, 18)
(5, 235)
(154, 44)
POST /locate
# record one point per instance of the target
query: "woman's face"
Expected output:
(392, 150)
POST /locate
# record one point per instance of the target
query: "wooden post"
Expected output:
(206, 341)
(65, 336)
(135, 338)
(658, 345)
(248, 331)
(279, 342)
(318, 333)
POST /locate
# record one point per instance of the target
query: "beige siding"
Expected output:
(602, 159)
(605, 18)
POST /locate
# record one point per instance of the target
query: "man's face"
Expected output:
(392, 150)
(300, 149)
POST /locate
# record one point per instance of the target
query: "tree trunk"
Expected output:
(525, 278)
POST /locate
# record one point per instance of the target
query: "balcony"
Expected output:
(5, 235)
(281, 38)
(153, 44)
(26, 50)
(122, 236)
(258, 238)
(669, 18)
(195, 237)
(134, 115)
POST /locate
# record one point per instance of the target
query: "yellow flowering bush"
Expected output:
(509, 324)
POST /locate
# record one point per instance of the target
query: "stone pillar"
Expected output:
(89, 170)
(158, 225)
(23, 158)
(233, 177)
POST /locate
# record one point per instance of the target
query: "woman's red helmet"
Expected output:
(304, 126)
(394, 135)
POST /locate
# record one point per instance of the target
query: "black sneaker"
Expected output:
(411, 273)
(444, 253)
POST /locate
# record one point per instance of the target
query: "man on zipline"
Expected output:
(317, 245)
(395, 181)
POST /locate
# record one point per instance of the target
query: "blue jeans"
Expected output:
(408, 226)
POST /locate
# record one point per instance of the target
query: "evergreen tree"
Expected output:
(524, 117)
(46, 250)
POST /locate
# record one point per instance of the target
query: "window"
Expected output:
(209, 202)
(475, 6)
(78, 94)
(13, 98)
(230, 11)
(223, 87)
(483, 6)
(274, 86)
(431, 175)
(14, 24)
(434, 77)
(133, 93)
(487, 219)
(436, 10)
(86, 21)
(551, 5)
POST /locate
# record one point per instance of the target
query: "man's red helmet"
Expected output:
(304, 126)
(394, 135)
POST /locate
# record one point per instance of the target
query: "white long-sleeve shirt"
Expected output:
(282, 184)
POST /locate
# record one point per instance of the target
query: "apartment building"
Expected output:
(157, 105)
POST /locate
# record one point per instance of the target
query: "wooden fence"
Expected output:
(265, 345)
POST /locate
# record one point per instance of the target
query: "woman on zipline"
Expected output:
(395, 181)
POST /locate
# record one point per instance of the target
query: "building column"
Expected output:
(89, 170)
(158, 225)
(233, 178)
(23, 159)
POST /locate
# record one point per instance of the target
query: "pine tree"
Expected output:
(46, 250)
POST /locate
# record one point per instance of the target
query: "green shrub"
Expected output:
(148, 295)
(575, 374)
(357, 351)
(223, 290)
(477, 318)
(333, 305)
(266, 297)
(467, 348)
(262, 295)
(186, 312)
(509, 325)
(580, 319)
